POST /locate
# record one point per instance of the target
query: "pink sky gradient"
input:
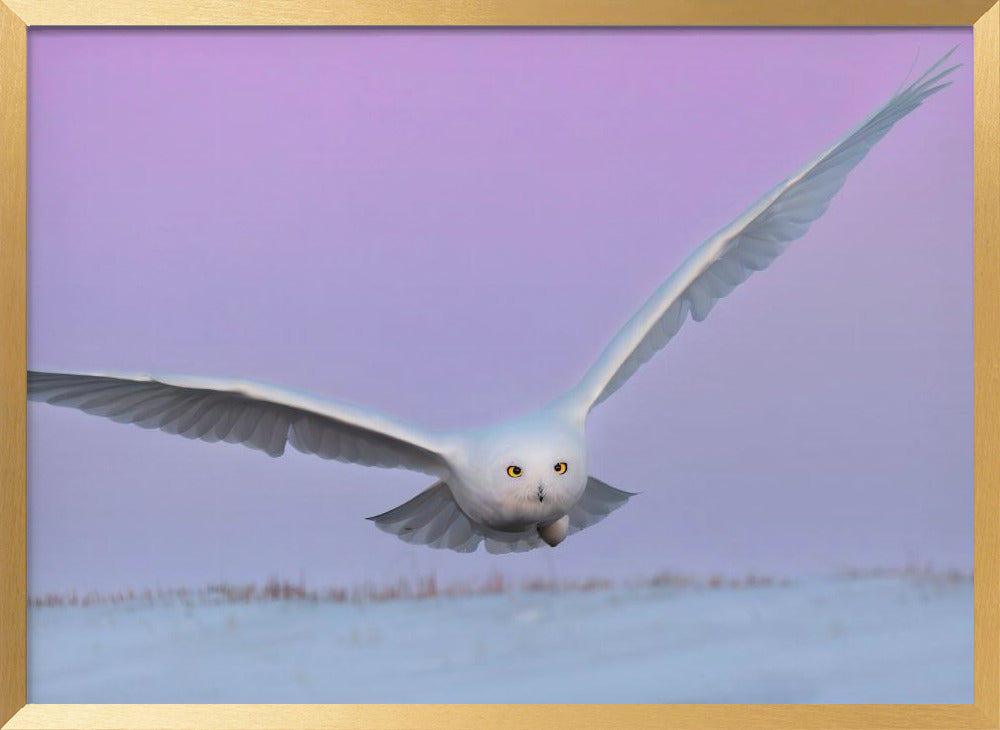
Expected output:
(448, 225)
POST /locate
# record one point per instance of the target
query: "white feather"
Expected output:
(750, 243)
(262, 417)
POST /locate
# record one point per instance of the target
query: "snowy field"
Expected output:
(878, 640)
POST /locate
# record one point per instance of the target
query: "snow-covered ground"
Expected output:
(876, 640)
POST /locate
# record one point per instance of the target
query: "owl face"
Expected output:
(533, 477)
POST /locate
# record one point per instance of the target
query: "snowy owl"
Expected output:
(517, 484)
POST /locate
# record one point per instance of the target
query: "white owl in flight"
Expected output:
(523, 481)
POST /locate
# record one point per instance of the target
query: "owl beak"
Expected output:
(541, 493)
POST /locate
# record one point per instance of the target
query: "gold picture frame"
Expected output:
(16, 16)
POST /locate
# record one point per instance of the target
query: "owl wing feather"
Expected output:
(259, 416)
(750, 243)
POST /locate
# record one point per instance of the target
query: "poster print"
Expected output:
(375, 246)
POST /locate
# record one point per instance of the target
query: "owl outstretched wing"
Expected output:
(750, 243)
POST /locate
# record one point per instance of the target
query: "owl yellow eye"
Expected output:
(514, 471)
(561, 467)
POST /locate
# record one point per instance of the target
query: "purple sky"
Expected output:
(448, 225)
